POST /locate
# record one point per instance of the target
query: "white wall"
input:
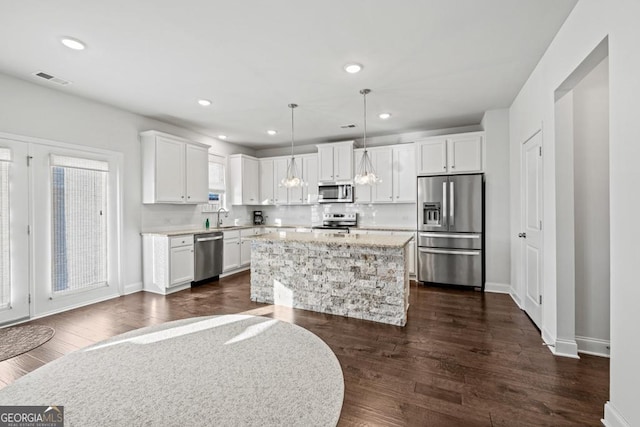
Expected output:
(32, 110)
(565, 235)
(591, 197)
(588, 24)
(498, 261)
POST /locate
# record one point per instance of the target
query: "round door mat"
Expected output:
(20, 339)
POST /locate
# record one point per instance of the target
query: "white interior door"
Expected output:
(14, 237)
(531, 234)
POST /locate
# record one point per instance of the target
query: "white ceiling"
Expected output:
(433, 64)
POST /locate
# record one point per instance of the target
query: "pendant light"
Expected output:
(366, 175)
(292, 179)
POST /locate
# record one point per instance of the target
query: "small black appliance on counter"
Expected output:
(258, 219)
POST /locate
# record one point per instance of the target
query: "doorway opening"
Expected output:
(582, 207)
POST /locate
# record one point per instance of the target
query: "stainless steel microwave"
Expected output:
(335, 193)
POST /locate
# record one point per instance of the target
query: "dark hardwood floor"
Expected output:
(464, 358)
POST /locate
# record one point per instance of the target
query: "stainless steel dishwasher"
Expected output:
(208, 255)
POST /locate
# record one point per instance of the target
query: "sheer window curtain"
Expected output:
(79, 223)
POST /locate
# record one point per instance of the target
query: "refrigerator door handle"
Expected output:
(451, 222)
(450, 236)
(444, 204)
(440, 251)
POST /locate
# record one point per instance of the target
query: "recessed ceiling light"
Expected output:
(222, 136)
(272, 132)
(384, 116)
(353, 68)
(204, 102)
(73, 43)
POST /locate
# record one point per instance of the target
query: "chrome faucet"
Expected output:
(218, 220)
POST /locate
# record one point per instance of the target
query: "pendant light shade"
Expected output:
(366, 175)
(293, 178)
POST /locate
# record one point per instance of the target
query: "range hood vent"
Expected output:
(50, 78)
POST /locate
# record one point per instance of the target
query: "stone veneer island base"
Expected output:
(360, 276)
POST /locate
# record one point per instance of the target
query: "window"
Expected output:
(217, 181)
(5, 242)
(79, 223)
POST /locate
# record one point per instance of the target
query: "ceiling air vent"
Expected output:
(349, 126)
(50, 78)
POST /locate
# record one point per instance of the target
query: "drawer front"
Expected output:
(247, 232)
(181, 241)
(234, 234)
(450, 266)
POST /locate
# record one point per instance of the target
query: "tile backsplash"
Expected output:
(174, 217)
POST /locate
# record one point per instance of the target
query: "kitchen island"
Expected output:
(353, 275)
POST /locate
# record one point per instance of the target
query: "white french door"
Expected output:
(75, 218)
(14, 237)
(531, 248)
(59, 227)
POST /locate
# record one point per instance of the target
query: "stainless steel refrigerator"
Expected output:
(450, 229)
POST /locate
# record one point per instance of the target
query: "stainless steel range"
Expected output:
(338, 222)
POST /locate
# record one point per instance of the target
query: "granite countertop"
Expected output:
(179, 232)
(335, 239)
(195, 230)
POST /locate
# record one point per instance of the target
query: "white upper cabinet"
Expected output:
(382, 192)
(174, 170)
(464, 153)
(310, 178)
(274, 169)
(335, 161)
(404, 173)
(244, 188)
(447, 154)
(197, 174)
(432, 156)
(279, 173)
(266, 182)
(395, 167)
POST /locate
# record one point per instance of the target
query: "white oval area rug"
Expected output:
(234, 370)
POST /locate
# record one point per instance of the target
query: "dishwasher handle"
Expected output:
(207, 239)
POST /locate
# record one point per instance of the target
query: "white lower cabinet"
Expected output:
(167, 262)
(231, 254)
(237, 248)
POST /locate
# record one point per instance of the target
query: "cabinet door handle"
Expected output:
(453, 166)
(444, 167)
(188, 197)
(182, 197)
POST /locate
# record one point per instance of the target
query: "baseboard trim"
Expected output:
(132, 288)
(74, 306)
(566, 348)
(516, 299)
(497, 288)
(236, 271)
(613, 418)
(593, 346)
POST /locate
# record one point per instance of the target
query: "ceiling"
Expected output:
(432, 64)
